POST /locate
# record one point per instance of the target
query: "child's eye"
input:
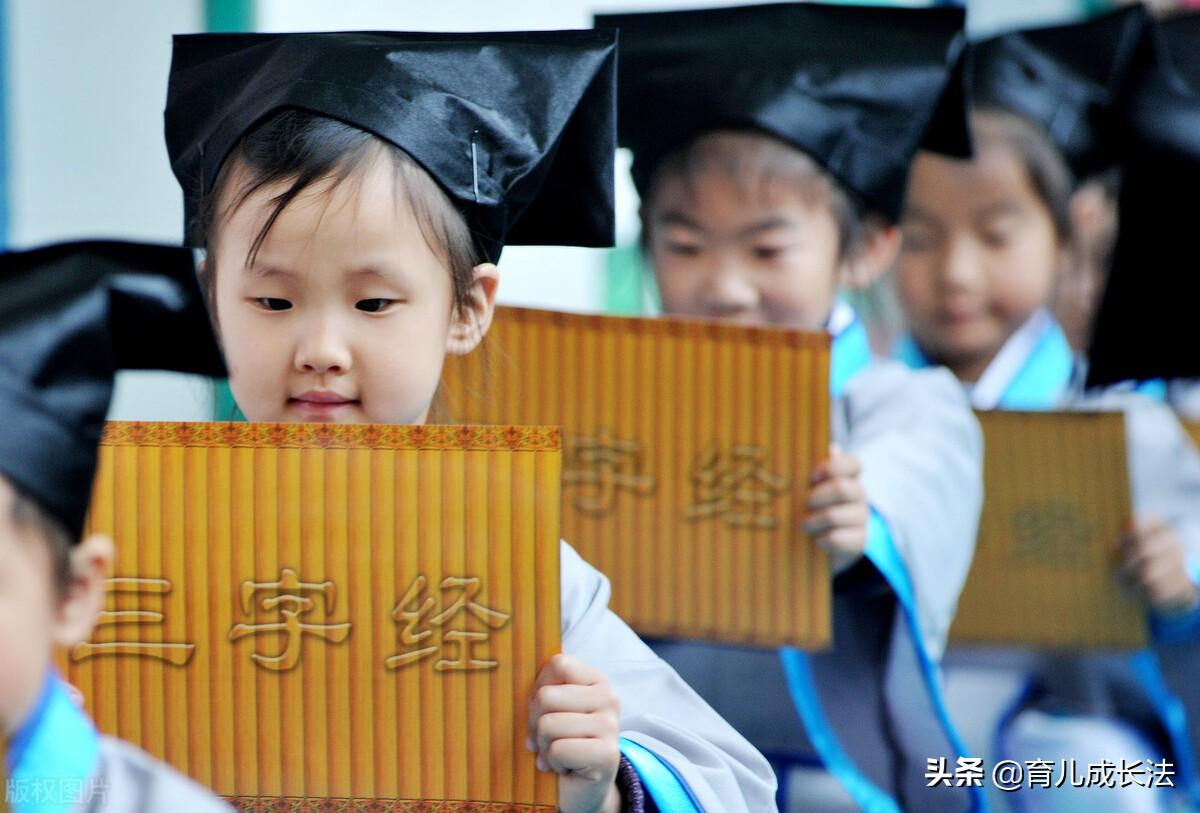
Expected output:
(271, 303)
(683, 249)
(373, 305)
(996, 239)
(768, 253)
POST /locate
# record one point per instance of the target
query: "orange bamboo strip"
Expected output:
(282, 554)
(1056, 502)
(686, 462)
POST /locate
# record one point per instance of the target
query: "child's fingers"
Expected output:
(843, 541)
(843, 515)
(590, 758)
(839, 464)
(834, 491)
(1155, 543)
(1149, 525)
(570, 699)
(567, 669)
(572, 726)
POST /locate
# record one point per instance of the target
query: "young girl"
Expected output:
(352, 192)
(761, 135)
(984, 242)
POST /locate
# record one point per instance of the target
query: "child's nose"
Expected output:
(959, 264)
(323, 349)
(729, 290)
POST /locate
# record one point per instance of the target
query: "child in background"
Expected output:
(985, 242)
(771, 148)
(70, 316)
(352, 192)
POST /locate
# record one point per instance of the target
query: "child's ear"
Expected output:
(880, 245)
(90, 564)
(470, 323)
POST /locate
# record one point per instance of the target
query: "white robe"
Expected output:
(129, 780)
(658, 710)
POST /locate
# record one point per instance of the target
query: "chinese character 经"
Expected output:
(416, 609)
(174, 653)
(736, 486)
(292, 598)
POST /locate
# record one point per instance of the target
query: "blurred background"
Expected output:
(82, 87)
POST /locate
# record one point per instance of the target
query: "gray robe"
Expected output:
(921, 451)
(131, 781)
(658, 710)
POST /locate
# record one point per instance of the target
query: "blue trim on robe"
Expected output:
(57, 743)
(659, 779)
(851, 354)
(1040, 384)
(1045, 377)
(1171, 712)
(1181, 628)
(834, 758)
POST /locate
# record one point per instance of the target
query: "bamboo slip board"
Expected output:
(1056, 503)
(349, 614)
(687, 452)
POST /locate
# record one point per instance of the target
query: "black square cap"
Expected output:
(1068, 79)
(857, 88)
(1145, 328)
(517, 127)
(71, 315)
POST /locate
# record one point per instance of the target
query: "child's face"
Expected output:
(36, 615)
(27, 611)
(979, 255)
(346, 314)
(760, 256)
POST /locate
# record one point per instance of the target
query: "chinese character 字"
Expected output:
(604, 465)
(416, 610)
(174, 653)
(736, 486)
(292, 598)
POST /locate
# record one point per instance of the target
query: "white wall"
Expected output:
(87, 82)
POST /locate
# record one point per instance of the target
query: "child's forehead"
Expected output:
(746, 168)
(726, 196)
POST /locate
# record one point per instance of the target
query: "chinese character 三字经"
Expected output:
(174, 653)
(292, 598)
(606, 465)
(415, 609)
(736, 486)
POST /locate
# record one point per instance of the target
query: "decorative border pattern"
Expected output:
(674, 327)
(332, 436)
(291, 804)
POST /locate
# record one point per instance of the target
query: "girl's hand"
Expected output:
(574, 722)
(1155, 566)
(837, 508)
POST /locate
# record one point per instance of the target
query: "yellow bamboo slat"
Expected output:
(1193, 429)
(1056, 502)
(351, 615)
(687, 452)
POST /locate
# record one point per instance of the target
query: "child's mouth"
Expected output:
(321, 406)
